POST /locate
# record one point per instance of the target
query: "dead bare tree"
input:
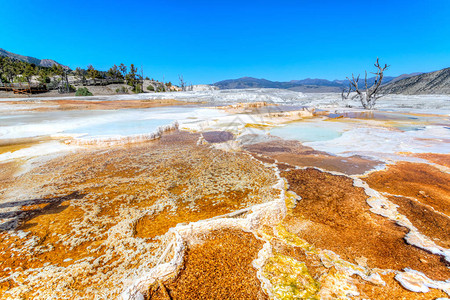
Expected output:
(142, 79)
(370, 95)
(182, 83)
(346, 92)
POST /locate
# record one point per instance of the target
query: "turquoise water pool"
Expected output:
(120, 128)
(309, 132)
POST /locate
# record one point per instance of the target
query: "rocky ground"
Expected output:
(437, 82)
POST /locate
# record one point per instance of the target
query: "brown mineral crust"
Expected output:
(423, 182)
(333, 214)
(7, 172)
(392, 290)
(138, 190)
(152, 226)
(14, 147)
(217, 136)
(434, 225)
(294, 153)
(179, 137)
(44, 221)
(312, 262)
(218, 268)
(264, 159)
(440, 159)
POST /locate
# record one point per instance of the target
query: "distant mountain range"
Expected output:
(250, 82)
(31, 60)
(437, 82)
(304, 85)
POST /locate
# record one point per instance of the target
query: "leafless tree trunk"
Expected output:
(64, 84)
(142, 79)
(66, 76)
(346, 93)
(182, 83)
(369, 96)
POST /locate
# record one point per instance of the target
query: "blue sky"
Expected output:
(208, 41)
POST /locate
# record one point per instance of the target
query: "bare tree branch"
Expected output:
(346, 93)
(370, 95)
(182, 83)
(365, 80)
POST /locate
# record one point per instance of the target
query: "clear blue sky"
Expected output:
(208, 41)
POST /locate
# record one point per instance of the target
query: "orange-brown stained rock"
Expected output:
(97, 202)
(423, 182)
(219, 268)
(334, 215)
(430, 223)
(367, 290)
(47, 218)
(294, 153)
(151, 226)
(14, 147)
(312, 262)
(217, 136)
(7, 171)
(440, 159)
(392, 290)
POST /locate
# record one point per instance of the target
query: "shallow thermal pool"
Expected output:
(382, 139)
(119, 128)
(402, 121)
(310, 132)
(99, 123)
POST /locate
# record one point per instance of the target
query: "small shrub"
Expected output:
(137, 89)
(122, 90)
(82, 91)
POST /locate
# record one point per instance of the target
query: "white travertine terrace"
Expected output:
(375, 139)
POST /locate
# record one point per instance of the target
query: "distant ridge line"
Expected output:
(32, 60)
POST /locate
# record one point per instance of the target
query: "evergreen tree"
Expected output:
(131, 77)
(123, 70)
(93, 73)
(29, 72)
(80, 73)
(114, 72)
